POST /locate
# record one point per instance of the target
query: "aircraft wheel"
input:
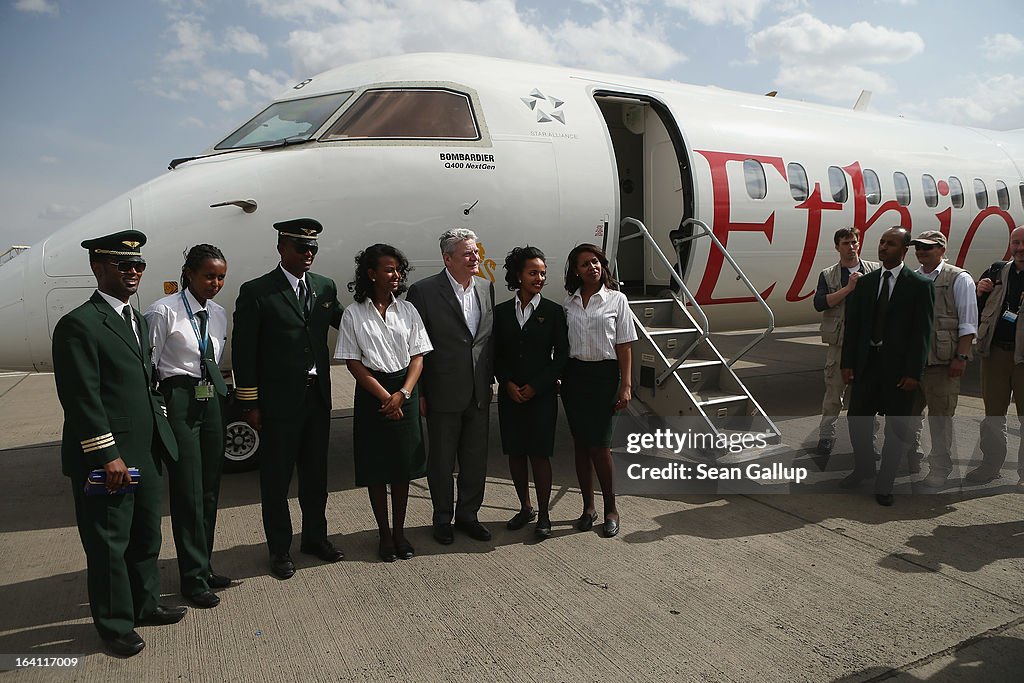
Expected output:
(241, 444)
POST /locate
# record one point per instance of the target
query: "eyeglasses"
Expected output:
(303, 248)
(129, 266)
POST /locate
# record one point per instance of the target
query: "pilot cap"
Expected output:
(124, 246)
(302, 230)
(930, 238)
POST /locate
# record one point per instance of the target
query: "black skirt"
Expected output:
(528, 429)
(589, 392)
(387, 451)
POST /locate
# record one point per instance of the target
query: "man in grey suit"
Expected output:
(457, 310)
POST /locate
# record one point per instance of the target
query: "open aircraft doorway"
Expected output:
(655, 187)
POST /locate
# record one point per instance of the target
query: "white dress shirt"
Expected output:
(523, 313)
(964, 298)
(382, 344)
(174, 341)
(119, 307)
(895, 271)
(294, 282)
(595, 330)
(467, 299)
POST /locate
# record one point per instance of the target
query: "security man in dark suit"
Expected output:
(885, 347)
(113, 420)
(457, 308)
(283, 383)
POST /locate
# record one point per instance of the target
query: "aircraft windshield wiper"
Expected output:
(294, 140)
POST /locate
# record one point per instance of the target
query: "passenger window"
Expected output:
(837, 183)
(902, 188)
(980, 193)
(407, 114)
(1021, 188)
(931, 190)
(753, 174)
(283, 122)
(872, 188)
(956, 192)
(798, 182)
(1002, 195)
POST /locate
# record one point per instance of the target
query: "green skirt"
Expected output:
(387, 451)
(589, 392)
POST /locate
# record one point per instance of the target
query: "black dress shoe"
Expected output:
(825, 446)
(886, 499)
(405, 551)
(127, 645)
(205, 600)
(474, 529)
(443, 534)
(611, 527)
(543, 528)
(282, 566)
(521, 519)
(162, 616)
(325, 550)
(215, 580)
(851, 481)
(586, 521)
(386, 551)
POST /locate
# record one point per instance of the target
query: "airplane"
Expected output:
(399, 149)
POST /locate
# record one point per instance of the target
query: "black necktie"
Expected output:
(212, 371)
(303, 299)
(881, 306)
(202, 316)
(126, 313)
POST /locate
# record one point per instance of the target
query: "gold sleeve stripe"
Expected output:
(98, 446)
(246, 393)
(101, 437)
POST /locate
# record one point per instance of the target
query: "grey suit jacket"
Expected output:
(460, 369)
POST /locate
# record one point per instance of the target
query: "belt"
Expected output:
(311, 380)
(175, 381)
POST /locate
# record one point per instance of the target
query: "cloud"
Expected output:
(46, 159)
(623, 37)
(827, 60)
(59, 212)
(993, 102)
(1001, 46)
(268, 85)
(192, 122)
(193, 42)
(238, 39)
(741, 12)
(38, 7)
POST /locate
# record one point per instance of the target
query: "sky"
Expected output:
(99, 96)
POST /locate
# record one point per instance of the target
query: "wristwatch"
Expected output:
(961, 356)
(407, 394)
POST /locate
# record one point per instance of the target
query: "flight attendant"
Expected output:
(187, 332)
(597, 380)
(530, 352)
(382, 341)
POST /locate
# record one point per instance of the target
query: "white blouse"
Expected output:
(595, 330)
(382, 344)
(174, 341)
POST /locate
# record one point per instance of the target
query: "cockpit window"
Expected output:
(285, 122)
(403, 114)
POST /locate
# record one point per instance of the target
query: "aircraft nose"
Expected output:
(15, 353)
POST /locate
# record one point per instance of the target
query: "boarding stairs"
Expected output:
(11, 252)
(678, 370)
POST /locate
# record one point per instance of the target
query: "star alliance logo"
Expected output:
(538, 102)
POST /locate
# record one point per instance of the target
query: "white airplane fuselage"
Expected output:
(562, 156)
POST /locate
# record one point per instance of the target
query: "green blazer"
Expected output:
(104, 382)
(273, 345)
(534, 354)
(908, 325)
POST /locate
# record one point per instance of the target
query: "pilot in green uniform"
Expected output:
(283, 382)
(114, 420)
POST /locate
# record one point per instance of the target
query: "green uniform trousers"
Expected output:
(121, 537)
(194, 480)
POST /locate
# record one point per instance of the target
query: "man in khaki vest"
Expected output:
(955, 324)
(835, 283)
(1001, 347)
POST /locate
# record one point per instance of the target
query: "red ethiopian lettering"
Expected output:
(723, 224)
(815, 206)
(861, 222)
(975, 224)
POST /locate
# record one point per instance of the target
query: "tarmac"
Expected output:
(716, 587)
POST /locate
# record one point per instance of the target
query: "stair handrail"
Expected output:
(704, 324)
(742, 276)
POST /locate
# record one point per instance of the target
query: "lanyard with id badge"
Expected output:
(204, 390)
